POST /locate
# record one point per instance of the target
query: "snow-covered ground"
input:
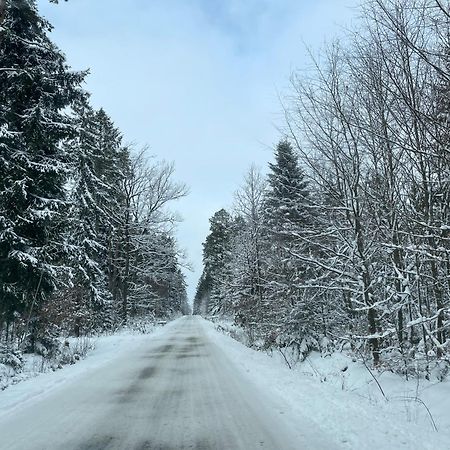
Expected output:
(341, 395)
(189, 377)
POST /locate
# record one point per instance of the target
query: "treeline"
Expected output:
(346, 241)
(86, 240)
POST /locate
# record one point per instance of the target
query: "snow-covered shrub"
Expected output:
(72, 351)
(11, 364)
(440, 369)
(234, 331)
(143, 325)
(12, 358)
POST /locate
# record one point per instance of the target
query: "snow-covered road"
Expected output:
(178, 391)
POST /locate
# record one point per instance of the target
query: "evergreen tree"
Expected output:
(36, 90)
(216, 256)
(92, 200)
(201, 299)
(287, 217)
(287, 195)
(109, 166)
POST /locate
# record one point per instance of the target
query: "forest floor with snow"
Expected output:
(341, 393)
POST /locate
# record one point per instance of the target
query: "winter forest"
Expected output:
(343, 242)
(339, 247)
(319, 315)
(86, 235)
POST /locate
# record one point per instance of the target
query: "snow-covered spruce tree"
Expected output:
(287, 215)
(94, 197)
(201, 299)
(36, 90)
(98, 164)
(108, 164)
(216, 256)
(286, 196)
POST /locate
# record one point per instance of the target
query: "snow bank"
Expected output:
(341, 396)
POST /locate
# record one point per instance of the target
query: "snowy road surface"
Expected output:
(178, 391)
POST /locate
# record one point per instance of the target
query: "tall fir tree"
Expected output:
(287, 215)
(36, 90)
(110, 165)
(89, 296)
(211, 295)
(286, 196)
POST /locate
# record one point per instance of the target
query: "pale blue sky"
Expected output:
(197, 80)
